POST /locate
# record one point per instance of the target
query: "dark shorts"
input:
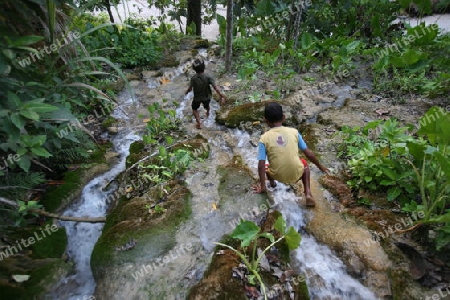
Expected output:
(195, 105)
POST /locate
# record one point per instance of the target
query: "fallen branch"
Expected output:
(55, 216)
(67, 218)
(408, 229)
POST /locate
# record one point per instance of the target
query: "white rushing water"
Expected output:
(83, 236)
(325, 273)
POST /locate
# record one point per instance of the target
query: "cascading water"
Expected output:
(326, 274)
(83, 236)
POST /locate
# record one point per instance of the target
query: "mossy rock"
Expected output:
(137, 147)
(109, 122)
(58, 197)
(131, 219)
(168, 61)
(44, 276)
(201, 43)
(243, 113)
(218, 281)
(136, 153)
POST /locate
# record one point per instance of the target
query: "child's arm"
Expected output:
(188, 90)
(261, 188)
(222, 97)
(312, 157)
(262, 155)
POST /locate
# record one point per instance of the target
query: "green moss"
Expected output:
(43, 278)
(131, 220)
(137, 147)
(307, 131)
(55, 195)
(44, 274)
(244, 113)
(108, 122)
(11, 292)
(53, 245)
(202, 43)
(98, 156)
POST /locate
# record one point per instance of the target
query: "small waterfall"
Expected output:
(325, 273)
(82, 237)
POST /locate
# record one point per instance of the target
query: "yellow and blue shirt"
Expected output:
(280, 146)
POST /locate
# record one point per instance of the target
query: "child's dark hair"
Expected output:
(273, 112)
(199, 65)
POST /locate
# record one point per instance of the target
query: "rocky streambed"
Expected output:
(173, 250)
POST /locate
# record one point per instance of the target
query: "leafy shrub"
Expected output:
(414, 171)
(133, 44)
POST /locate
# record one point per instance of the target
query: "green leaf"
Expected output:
(29, 114)
(39, 107)
(14, 99)
(24, 163)
(293, 238)
(280, 225)
(26, 41)
(416, 150)
(393, 193)
(246, 231)
(307, 40)
(40, 151)
(268, 236)
(444, 164)
(18, 121)
(387, 182)
(440, 219)
(443, 237)
(434, 125)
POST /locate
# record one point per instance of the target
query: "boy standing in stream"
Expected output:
(280, 146)
(200, 83)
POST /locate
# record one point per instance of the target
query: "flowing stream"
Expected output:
(325, 273)
(83, 236)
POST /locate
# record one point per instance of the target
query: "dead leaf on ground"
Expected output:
(382, 112)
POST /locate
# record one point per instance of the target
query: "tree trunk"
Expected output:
(107, 5)
(195, 16)
(293, 28)
(229, 40)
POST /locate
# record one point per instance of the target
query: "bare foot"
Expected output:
(273, 183)
(310, 202)
(198, 126)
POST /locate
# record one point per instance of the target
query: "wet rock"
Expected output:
(113, 130)
(249, 112)
(111, 157)
(153, 234)
(346, 237)
(338, 188)
(150, 74)
(134, 83)
(377, 281)
(248, 116)
(418, 266)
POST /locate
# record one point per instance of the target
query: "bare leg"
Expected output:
(197, 117)
(271, 180)
(306, 184)
(207, 112)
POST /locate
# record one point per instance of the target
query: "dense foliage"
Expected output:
(412, 171)
(135, 43)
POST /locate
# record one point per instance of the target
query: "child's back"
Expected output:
(200, 83)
